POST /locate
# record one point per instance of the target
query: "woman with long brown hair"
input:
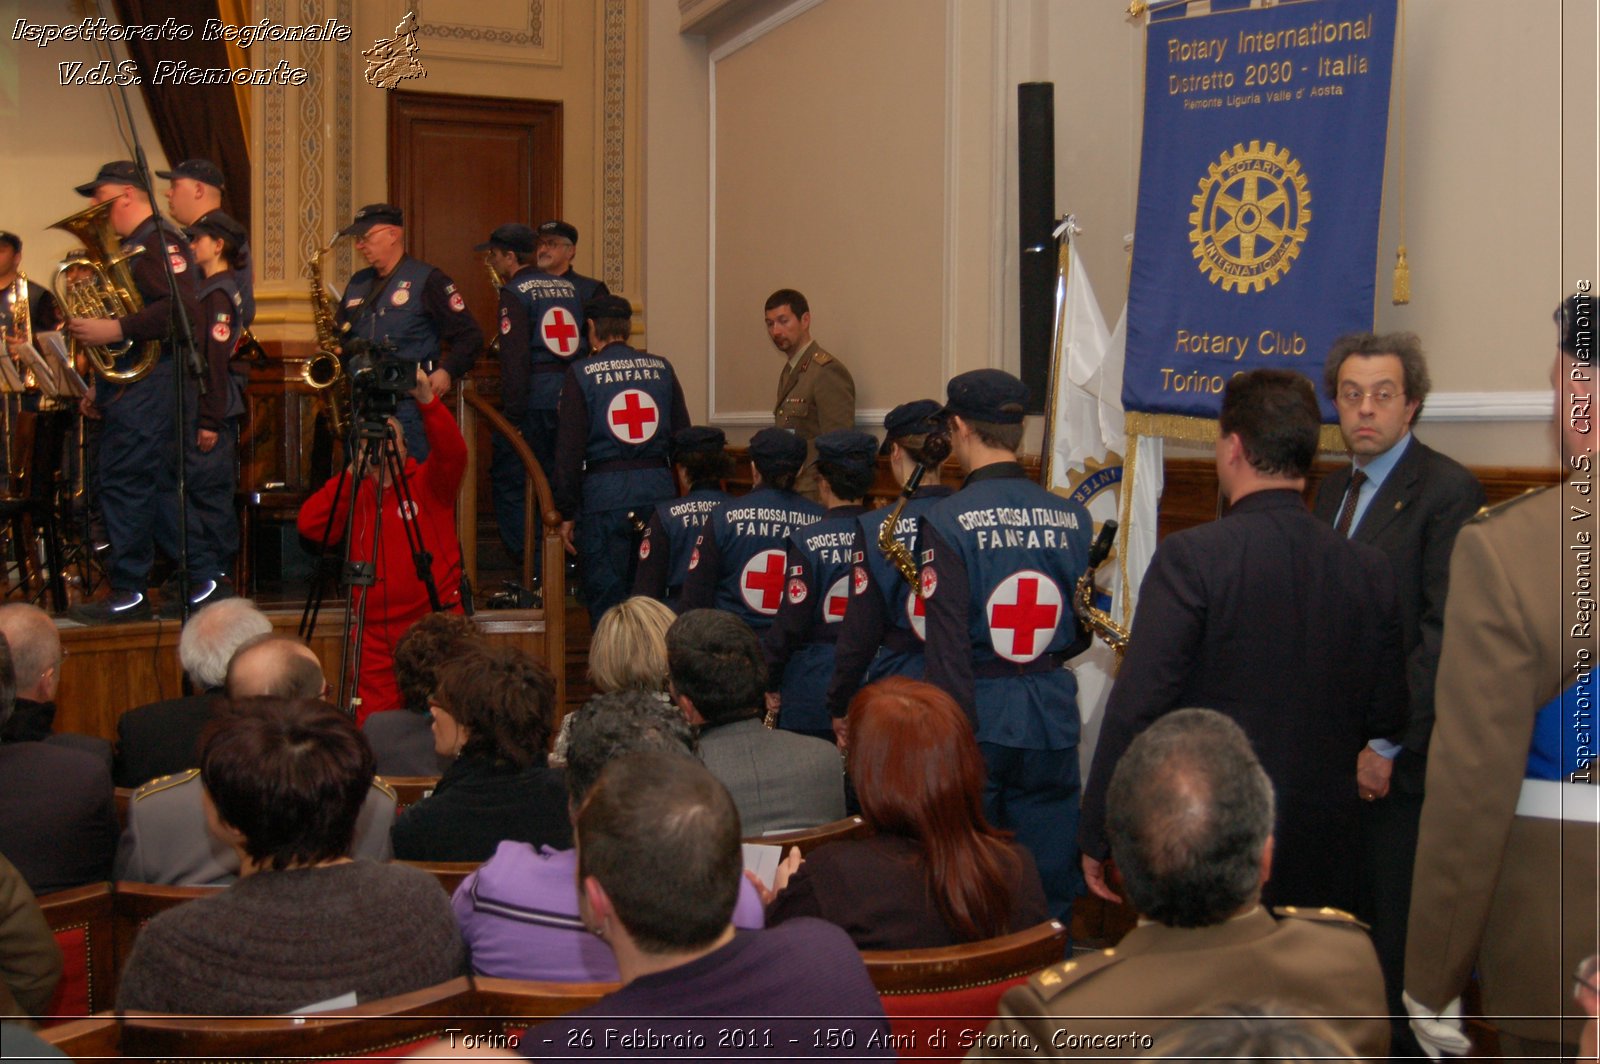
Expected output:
(933, 873)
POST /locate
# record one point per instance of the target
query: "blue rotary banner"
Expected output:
(1260, 183)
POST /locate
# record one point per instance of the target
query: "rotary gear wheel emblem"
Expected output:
(1250, 216)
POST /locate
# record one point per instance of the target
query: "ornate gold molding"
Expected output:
(613, 110)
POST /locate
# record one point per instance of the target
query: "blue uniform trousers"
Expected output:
(138, 491)
(604, 539)
(1034, 793)
(538, 428)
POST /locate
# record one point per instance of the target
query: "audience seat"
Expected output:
(388, 1028)
(124, 798)
(517, 1004)
(83, 923)
(135, 903)
(448, 873)
(409, 790)
(93, 1038)
(808, 839)
(956, 988)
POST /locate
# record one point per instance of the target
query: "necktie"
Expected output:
(1348, 510)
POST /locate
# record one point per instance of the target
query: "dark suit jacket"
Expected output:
(780, 781)
(1413, 519)
(1272, 618)
(160, 739)
(402, 743)
(58, 821)
(477, 805)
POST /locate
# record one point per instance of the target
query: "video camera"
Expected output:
(377, 379)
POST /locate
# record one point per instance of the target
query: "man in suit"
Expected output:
(1273, 619)
(58, 820)
(163, 737)
(1409, 501)
(780, 781)
(1189, 815)
(36, 655)
(1508, 846)
(816, 394)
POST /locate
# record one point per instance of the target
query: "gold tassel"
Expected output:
(1402, 278)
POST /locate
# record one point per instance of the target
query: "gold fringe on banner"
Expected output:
(1402, 268)
(1204, 430)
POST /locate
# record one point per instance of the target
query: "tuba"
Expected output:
(324, 372)
(1094, 618)
(108, 293)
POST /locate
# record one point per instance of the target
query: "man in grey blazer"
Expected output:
(1408, 501)
(780, 781)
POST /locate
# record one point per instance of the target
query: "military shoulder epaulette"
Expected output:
(1325, 915)
(165, 783)
(383, 785)
(1485, 512)
(822, 358)
(1055, 979)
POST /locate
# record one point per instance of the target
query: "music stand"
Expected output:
(11, 382)
(53, 348)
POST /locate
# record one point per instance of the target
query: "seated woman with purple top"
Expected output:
(519, 912)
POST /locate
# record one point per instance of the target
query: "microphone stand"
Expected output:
(181, 336)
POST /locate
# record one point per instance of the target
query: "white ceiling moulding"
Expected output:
(1489, 406)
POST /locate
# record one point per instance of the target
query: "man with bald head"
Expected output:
(36, 659)
(275, 666)
(163, 737)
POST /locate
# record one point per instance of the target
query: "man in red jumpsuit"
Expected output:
(398, 596)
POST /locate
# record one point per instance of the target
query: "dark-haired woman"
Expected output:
(933, 873)
(492, 712)
(304, 926)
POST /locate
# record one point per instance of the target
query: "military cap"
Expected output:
(607, 307)
(1575, 317)
(373, 214)
(777, 449)
(698, 439)
(509, 237)
(219, 225)
(556, 227)
(847, 450)
(202, 170)
(916, 418)
(121, 172)
(991, 395)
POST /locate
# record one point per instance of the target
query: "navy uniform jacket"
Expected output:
(414, 308)
(619, 409)
(541, 333)
(1272, 618)
(217, 337)
(669, 537)
(998, 562)
(154, 321)
(884, 624)
(244, 278)
(739, 562)
(800, 644)
(589, 289)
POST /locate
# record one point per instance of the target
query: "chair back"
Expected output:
(520, 1003)
(123, 796)
(82, 921)
(133, 906)
(808, 839)
(391, 1026)
(92, 1038)
(448, 873)
(951, 989)
(409, 790)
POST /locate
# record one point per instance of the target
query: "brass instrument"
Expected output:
(323, 371)
(108, 293)
(1093, 617)
(497, 282)
(935, 449)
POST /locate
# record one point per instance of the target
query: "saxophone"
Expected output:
(935, 449)
(496, 282)
(324, 372)
(1094, 618)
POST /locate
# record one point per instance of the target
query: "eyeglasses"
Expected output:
(1352, 396)
(551, 242)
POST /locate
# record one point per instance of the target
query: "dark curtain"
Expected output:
(193, 121)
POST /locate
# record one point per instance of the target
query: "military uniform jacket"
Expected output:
(884, 625)
(619, 409)
(668, 539)
(154, 321)
(817, 396)
(1513, 895)
(541, 333)
(739, 562)
(998, 561)
(1311, 962)
(414, 308)
(218, 336)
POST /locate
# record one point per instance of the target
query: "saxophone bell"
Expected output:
(1093, 617)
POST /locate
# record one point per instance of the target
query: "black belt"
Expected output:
(1000, 668)
(623, 465)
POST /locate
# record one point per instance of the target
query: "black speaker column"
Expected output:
(1036, 219)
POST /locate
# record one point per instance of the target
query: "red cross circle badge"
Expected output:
(560, 331)
(1024, 613)
(633, 416)
(761, 582)
(859, 579)
(838, 597)
(917, 614)
(797, 591)
(644, 546)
